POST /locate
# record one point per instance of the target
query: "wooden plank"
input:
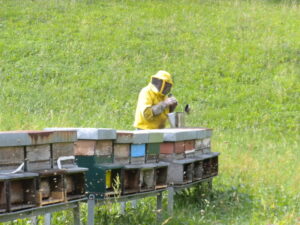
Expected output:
(121, 153)
(11, 157)
(38, 157)
(104, 147)
(85, 147)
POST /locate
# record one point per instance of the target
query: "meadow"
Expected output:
(236, 62)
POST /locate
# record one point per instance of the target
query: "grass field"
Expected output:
(237, 63)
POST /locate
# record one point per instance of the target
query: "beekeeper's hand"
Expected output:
(171, 101)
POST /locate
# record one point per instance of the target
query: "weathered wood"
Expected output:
(11, 157)
(38, 157)
(171, 157)
(62, 149)
(198, 170)
(189, 145)
(121, 153)
(161, 177)
(203, 143)
(172, 147)
(152, 158)
(51, 189)
(147, 179)
(22, 194)
(74, 185)
(181, 171)
(137, 160)
(131, 181)
(3, 200)
(104, 147)
(85, 147)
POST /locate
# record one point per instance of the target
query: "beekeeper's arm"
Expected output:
(155, 110)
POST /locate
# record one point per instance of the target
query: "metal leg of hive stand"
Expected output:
(123, 208)
(47, 219)
(91, 208)
(171, 193)
(159, 207)
(76, 214)
(34, 220)
(134, 204)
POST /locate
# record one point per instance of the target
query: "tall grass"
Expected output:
(237, 63)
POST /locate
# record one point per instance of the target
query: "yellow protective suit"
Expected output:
(149, 96)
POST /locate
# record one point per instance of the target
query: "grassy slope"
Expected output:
(236, 62)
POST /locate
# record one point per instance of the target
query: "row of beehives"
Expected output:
(31, 171)
(127, 162)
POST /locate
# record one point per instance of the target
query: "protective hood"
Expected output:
(161, 82)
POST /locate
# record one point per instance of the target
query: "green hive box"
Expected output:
(102, 179)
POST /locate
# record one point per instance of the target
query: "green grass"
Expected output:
(237, 63)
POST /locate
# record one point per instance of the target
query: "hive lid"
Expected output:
(89, 133)
(25, 138)
(182, 134)
(35, 137)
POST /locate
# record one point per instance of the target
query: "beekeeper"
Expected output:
(154, 104)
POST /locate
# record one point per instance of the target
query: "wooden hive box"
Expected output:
(210, 164)
(189, 148)
(50, 187)
(74, 183)
(172, 150)
(112, 175)
(152, 152)
(38, 157)
(18, 191)
(147, 177)
(203, 146)
(11, 158)
(198, 170)
(102, 179)
(181, 171)
(36, 148)
(131, 179)
(121, 153)
(137, 153)
(63, 146)
(3, 194)
(161, 175)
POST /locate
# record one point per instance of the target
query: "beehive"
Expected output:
(131, 179)
(50, 187)
(74, 183)
(181, 171)
(161, 175)
(17, 191)
(122, 153)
